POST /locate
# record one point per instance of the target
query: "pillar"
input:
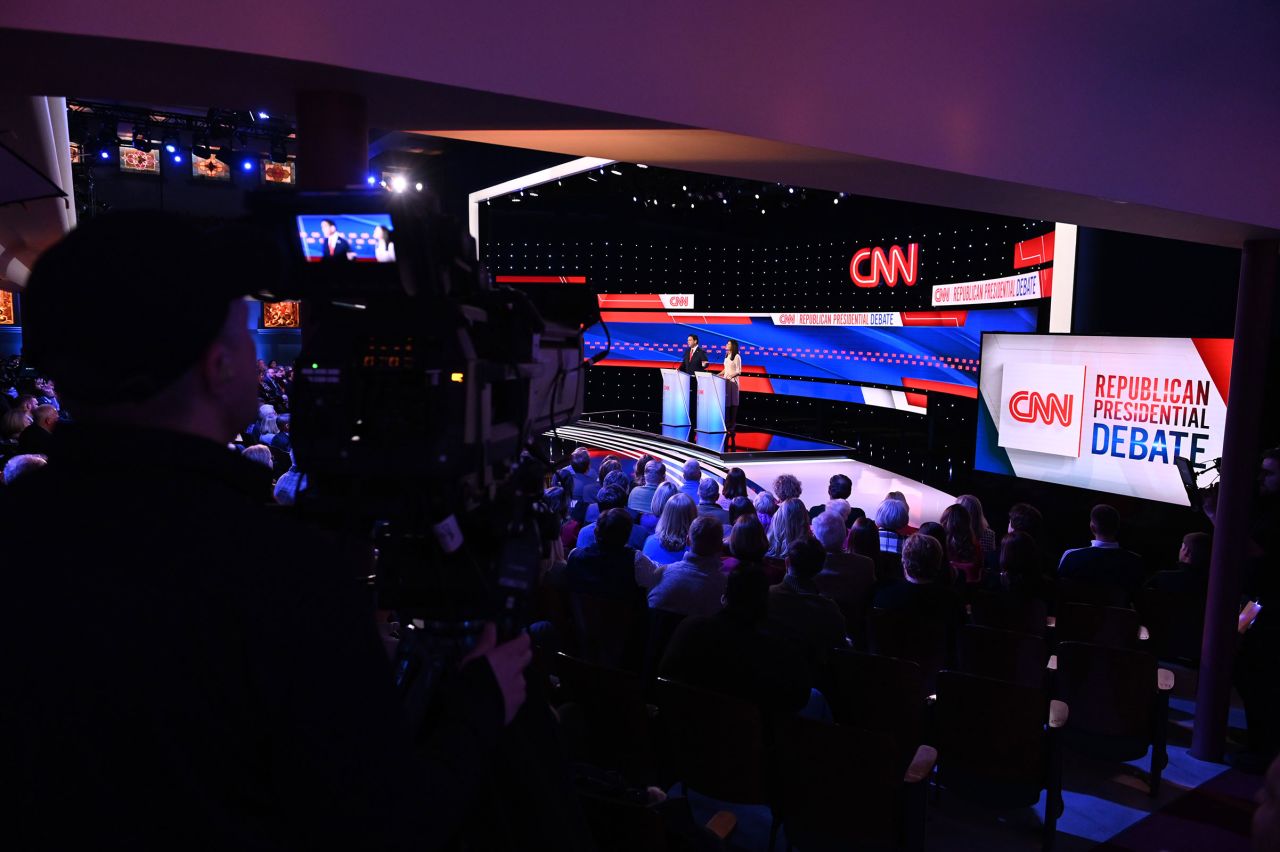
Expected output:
(1235, 495)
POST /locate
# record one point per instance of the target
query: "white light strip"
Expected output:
(564, 170)
(1064, 278)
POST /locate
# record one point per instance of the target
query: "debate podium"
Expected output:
(675, 398)
(711, 396)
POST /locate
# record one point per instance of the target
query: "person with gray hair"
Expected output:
(695, 584)
(846, 578)
(642, 495)
(22, 465)
(786, 487)
(891, 516)
(692, 473)
(790, 525)
(766, 507)
(261, 454)
(708, 502)
(665, 492)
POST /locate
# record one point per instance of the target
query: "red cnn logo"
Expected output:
(1030, 406)
(870, 266)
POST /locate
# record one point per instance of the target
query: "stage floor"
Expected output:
(763, 455)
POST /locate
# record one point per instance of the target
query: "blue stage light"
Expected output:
(262, 115)
(177, 158)
(247, 165)
(104, 154)
(171, 148)
(371, 180)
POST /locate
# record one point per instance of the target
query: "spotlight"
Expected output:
(171, 147)
(107, 139)
(200, 147)
(418, 186)
(371, 180)
(140, 140)
(177, 158)
(247, 165)
(263, 115)
(104, 154)
(279, 152)
(399, 183)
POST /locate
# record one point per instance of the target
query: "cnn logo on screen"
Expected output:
(1040, 408)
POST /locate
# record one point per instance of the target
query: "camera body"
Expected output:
(419, 389)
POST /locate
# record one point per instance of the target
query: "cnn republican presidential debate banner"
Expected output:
(1106, 413)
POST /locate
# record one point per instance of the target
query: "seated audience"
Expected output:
(935, 531)
(709, 502)
(839, 487)
(665, 492)
(283, 438)
(906, 528)
(747, 543)
(1020, 571)
(891, 516)
(981, 529)
(844, 575)
(735, 484)
(607, 466)
(731, 653)
(641, 470)
(1192, 574)
(14, 423)
(786, 487)
(692, 472)
(671, 535)
(790, 526)
(290, 483)
(798, 610)
(612, 497)
(1104, 561)
(766, 507)
(642, 495)
(962, 548)
(919, 591)
(21, 465)
(1025, 518)
(695, 584)
(580, 470)
(260, 454)
(738, 507)
(609, 568)
(614, 479)
(37, 438)
(265, 425)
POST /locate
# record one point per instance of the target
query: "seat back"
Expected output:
(1175, 621)
(839, 786)
(1003, 654)
(608, 631)
(852, 594)
(1090, 592)
(662, 626)
(1004, 611)
(877, 693)
(713, 743)
(1111, 692)
(621, 826)
(615, 716)
(991, 739)
(908, 636)
(1101, 625)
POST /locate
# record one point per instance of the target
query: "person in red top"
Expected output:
(964, 551)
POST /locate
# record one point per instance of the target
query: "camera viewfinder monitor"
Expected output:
(347, 237)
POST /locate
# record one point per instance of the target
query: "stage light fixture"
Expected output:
(371, 180)
(177, 158)
(418, 186)
(247, 165)
(263, 115)
(104, 154)
(140, 139)
(399, 183)
(200, 147)
(279, 151)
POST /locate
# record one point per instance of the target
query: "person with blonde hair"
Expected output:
(261, 454)
(665, 492)
(13, 423)
(766, 507)
(981, 529)
(670, 537)
(790, 525)
(21, 465)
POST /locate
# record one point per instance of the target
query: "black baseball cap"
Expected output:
(127, 302)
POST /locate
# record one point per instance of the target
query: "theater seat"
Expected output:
(1003, 655)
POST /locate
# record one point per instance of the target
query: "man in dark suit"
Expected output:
(335, 245)
(1104, 561)
(694, 359)
(37, 438)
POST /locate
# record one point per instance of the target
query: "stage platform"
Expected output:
(762, 454)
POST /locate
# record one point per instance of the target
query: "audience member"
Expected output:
(26, 402)
(963, 550)
(797, 609)
(283, 438)
(790, 526)
(609, 568)
(1192, 574)
(607, 466)
(21, 465)
(614, 479)
(738, 507)
(844, 575)
(1020, 567)
(695, 584)
(735, 484)
(667, 544)
(692, 474)
(260, 454)
(1104, 561)
(730, 652)
(642, 495)
(906, 529)
(891, 516)
(981, 529)
(638, 476)
(839, 487)
(664, 492)
(1025, 518)
(580, 469)
(937, 532)
(611, 497)
(265, 425)
(709, 502)
(786, 487)
(291, 482)
(37, 439)
(766, 507)
(919, 591)
(747, 543)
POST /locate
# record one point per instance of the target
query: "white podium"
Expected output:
(675, 398)
(711, 394)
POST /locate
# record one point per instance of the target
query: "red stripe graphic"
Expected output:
(952, 319)
(629, 300)
(1215, 352)
(1046, 282)
(941, 387)
(1033, 251)
(918, 399)
(540, 279)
